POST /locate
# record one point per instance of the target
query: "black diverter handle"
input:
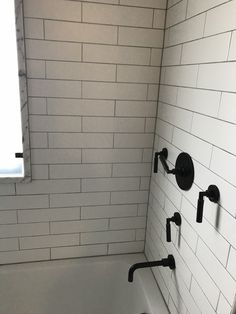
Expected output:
(177, 220)
(163, 154)
(213, 195)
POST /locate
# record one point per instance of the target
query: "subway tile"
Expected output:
(136, 108)
(54, 88)
(182, 75)
(147, 155)
(133, 140)
(159, 19)
(223, 305)
(20, 230)
(116, 125)
(108, 236)
(129, 197)
(138, 74)
(118, 91)
(200, 298)
(39, 172)
(37, 105)
(219, 76)
(55, 124)
(198, 149)
(140, 234)
(55, 156)
(24, 256)
(110, 184)
(35, 69)
(216, 21)
(10, 244)
(176, 14)
(81, 199)
(131, 170)
(232, 262)
(53, 9)
(217, 271)
(164, 129)
(168, 94)
(80, 140)
(176, 116)
(127, 223)
(117, 15)
(49, 214)
(116, 54)
(104, 1)
(79, 226)
(156, 55)
(199, 100)
(23, 202)
(78, 251)
(126, 248)
(212, 49)
(150, 125)
(111, 155)
(52, 50)
(38, 140)
(80, 171)
(227, 110)
(34, 28)
(7, 189)
(78, 32)
(108, 211)
(172, 55)
(48, 241)
(48, 186)
(8, 217)
(214, 131)
(80, 71)
(140, 37)
(196, 7)
(160, 4)
(153, 90)
(188, 30)
(232, 50)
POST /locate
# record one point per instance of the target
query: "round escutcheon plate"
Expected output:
(184, 171)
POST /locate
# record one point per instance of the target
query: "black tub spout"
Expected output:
(165, 262)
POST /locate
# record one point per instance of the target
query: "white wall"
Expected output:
(93, 74)
(197, 114)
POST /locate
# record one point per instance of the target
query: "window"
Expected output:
(14, 138)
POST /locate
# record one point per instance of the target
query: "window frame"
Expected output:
(22, 74)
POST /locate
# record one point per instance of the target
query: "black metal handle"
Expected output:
(177, 220)
(163, 155)
(213, 194)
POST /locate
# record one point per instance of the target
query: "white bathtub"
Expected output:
(80, 286)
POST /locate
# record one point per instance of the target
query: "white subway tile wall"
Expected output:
(196, 114)
(93, 78)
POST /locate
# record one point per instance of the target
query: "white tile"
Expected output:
(232, 50)
(182, 75)
(78, 32)
(172, 55)
(58, 156)
(24, 256)
(216, 21)
(127, 223)
(54, 88)
(117, 15)
(78, 226)
(131, 170)
(200, 298)
(164, 129)
(223, 305)
(82, 199)
(198, 149)
(20, 230)
(126, 248)
(133, 140)
(48, 241)
(10, 244)
(214, 131)
(211, 49)
(37, 105)
(107, 236)
(119, 91)
(53, 9)
(199, 100)
(80, 71)
(52, 50)
(161, 4)
(176, 116)
(24, 202)
(7, 189)
(153, 92)
(195, 7)
(129, 197)
(109, 211)
(34, 28)
(39, 172)
(116, 125)
(220, 76)
(232, 262)
(55, 124)
(139, 74)
(227, 110)
(168, 94)
(35, 69)
(110, 184)
(156, 55)
(140, 37)
(111, 155)
(136, 108)
(78, 251)
(116, 54)
(176, 14)
(221, 277)
(38, 140)
(8, 217)
(159, 18)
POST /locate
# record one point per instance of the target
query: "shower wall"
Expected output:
(197, 114)
(93, 75)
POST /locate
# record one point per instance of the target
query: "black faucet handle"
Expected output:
(163, 153)
(213, 194)
(177, 220)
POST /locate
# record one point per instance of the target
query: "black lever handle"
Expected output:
(177, 220)
(163, 154)
(213, 194)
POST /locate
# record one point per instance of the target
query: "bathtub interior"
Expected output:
(88, 286)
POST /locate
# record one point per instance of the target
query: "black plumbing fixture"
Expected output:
(213, 194)
(177, 220)
(165, 262)
(183, 171)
